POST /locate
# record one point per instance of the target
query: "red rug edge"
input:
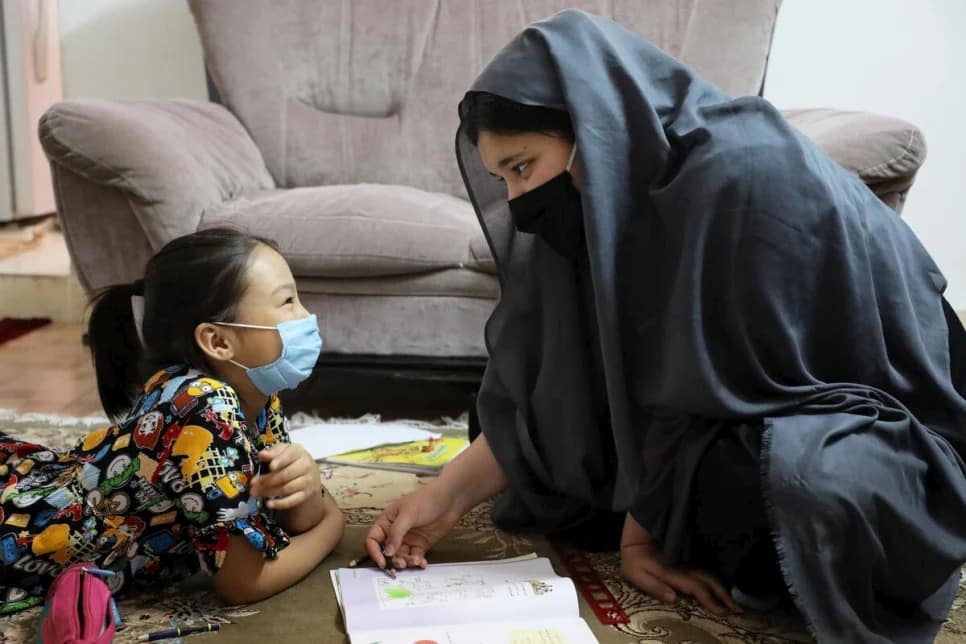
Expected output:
(13, 328)
(589, 583)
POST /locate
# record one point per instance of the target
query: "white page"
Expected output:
(334, 573)
(464, 594)
(328, 439)
(562, 631)
(334, 576)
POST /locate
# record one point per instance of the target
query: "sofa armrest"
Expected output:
(172, 158)
(885, 152)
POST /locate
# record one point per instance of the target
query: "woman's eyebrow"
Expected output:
(288, 286)
(506, 161)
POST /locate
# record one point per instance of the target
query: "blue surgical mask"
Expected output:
(301, 345)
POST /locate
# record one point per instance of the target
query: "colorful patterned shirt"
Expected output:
(154, 497)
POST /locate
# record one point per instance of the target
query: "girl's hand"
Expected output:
(293, 476)
(641, 564)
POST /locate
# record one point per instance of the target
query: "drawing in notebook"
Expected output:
(422, 590)
(510, 601)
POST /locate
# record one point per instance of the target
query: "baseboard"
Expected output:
(37, 280)
(58, 297)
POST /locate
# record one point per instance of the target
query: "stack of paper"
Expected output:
(421, 457)
(392, 446)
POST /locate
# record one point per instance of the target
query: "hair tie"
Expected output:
(137, 312)
(137, 307)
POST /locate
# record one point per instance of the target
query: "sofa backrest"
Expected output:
(352, 91)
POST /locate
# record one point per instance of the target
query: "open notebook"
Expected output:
(508, 601)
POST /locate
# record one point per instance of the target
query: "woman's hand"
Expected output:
(410, 526)
(641, 564)
(292, 479)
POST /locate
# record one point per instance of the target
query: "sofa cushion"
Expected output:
(877, 148)
(362, 230)
(449, 282)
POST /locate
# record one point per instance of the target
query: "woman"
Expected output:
(709, 325)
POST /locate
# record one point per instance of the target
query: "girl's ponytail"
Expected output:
(116, 347)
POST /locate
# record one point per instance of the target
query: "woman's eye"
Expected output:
(290, 300)
(520, 167)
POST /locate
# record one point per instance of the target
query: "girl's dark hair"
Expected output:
(193, 279)
(481, 111)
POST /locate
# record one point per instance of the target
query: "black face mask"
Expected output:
(554, 212)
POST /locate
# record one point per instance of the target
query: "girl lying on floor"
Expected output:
(199, 469)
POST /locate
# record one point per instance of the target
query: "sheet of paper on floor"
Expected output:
(328, 439)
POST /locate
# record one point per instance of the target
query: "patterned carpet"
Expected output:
(362, 493)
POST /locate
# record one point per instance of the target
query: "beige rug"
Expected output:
(362, 493)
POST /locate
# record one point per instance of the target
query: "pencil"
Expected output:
(180, 631)
(389, 567)
(391, 571)
(361, 560)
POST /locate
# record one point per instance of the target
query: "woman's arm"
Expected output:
(474, 476)
(247, 576)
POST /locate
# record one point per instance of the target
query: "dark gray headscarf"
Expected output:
(738, 276)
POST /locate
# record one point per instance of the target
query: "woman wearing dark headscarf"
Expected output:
(707, 324)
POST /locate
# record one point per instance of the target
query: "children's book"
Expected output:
(419, 457)
(508, 601)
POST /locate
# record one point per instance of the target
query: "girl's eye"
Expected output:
(520, 167)
(290, 300)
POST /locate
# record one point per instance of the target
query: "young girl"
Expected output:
(199, 469)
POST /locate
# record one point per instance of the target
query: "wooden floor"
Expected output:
(48, 371)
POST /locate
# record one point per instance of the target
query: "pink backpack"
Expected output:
(79, 608)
